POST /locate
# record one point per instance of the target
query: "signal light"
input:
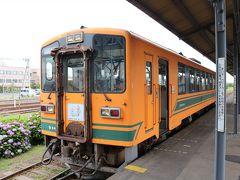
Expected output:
(110, 112)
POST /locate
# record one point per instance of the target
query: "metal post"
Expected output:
(238, 82)
(220, 135)
(235, 72)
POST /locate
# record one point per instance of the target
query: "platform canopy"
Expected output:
(192, 21)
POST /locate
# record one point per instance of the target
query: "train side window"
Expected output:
(207, 81)
(198, 81)
(162, 75)
(213, 81)
(203, 81)
(149, 76)
(192, 83)
(210, 82)
(181, 79)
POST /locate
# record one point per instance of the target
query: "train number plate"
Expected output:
(76, 112)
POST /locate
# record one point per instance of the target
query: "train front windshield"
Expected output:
(109, 64)
(108, 67)
(48, 69)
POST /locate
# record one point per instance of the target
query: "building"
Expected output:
(11, 76)
(35, 76)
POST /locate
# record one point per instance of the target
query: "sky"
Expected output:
(27, 24)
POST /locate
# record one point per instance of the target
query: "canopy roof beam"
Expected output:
(202, 28)
(189, 16)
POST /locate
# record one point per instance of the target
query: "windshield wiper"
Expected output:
(105, 95)
(107, 98)
(49, 95)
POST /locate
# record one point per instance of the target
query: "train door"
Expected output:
(73, 98)
(163, 83)
(149, 118)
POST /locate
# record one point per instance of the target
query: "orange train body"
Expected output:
(140, 102)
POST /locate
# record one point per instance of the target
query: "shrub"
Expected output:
(17, 137)
(12, 118)
(14, 139)
(34, 124)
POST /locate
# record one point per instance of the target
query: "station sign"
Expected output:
(221, 95)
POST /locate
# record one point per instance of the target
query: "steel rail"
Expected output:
(22, 170)
(61, 175)
(21, 111)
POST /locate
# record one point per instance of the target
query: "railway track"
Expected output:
(53, 171)
(37, 170)
(19, 106)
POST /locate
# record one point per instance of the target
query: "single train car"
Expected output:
(108, 94)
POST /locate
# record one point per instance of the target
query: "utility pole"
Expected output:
(26, 81)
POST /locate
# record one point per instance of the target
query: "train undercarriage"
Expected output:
(105, 158)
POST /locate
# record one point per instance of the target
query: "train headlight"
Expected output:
(50, 109)
(105, 112)
(110, 112)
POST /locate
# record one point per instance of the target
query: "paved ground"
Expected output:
(189, 154)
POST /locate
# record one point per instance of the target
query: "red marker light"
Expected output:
(43, 108)
(114, 112)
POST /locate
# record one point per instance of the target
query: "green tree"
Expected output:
(33, 85)
(38, 85)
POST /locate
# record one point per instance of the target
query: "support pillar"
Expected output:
(236, 77)
(220, 134)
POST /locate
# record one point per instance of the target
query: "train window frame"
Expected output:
(125, 67)
(185, 79)
(46, 52)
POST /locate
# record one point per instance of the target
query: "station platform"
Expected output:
(188, 154)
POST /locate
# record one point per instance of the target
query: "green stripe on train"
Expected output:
(49, 119)
(114, 135)
(117, 125)
(192, 101)
(48, 127)
(99, 133)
